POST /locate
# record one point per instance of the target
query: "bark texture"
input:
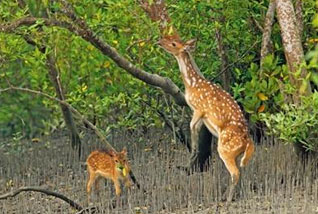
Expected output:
(294, 54)
(293, 48)
(55, 80)
(267, 31)
(226, 76)
(299, 16)
(67, 114)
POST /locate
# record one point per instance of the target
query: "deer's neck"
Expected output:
(190, 72)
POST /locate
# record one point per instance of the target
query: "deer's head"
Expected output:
(121, 162)
(175, 46)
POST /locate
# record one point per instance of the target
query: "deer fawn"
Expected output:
(108, 164)
(213, 107)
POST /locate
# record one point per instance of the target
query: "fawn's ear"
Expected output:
(124, 152)
(190, 44)
(112, 152)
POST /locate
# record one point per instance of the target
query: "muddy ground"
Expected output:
(274, 181)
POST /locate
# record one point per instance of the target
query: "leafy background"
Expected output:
(112, 99)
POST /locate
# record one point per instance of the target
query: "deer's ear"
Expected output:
(190, 44)
(124, 151)
(112, 153)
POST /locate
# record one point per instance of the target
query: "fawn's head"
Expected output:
(175, 46)
(121, 162)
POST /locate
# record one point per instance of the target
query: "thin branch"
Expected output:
(78, 114)
(233, 63)
(42, 190)
(257, 24)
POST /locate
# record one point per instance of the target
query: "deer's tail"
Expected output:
(249, 150)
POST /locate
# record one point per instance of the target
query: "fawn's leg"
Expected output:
(195, 126)
(117, 186)
(91, 178)
(117, 189)
(97, 182)
(127, 181)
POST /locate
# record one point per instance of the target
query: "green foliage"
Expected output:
(261, 91)
(94, 85)
(296, 123)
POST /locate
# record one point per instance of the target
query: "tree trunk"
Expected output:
(226, 75)
(67, 114)
(55, 80)
(293, 53)
(299, 16)
(267, 32)
(293, 49)
(205, 141)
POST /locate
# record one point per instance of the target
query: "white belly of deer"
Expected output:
(214, 129)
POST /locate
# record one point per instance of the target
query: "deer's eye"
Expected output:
(174, 44)
(116, 161)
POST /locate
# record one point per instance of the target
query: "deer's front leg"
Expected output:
(195, 126)
(127, 181)
(117, 186)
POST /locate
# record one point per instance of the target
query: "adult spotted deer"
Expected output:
(213, 107)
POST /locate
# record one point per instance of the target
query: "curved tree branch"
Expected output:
(77, 113)
(152, 79)
(42, 190)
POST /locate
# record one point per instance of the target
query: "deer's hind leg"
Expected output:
(229, 149)
(91, 179)
(97, 182)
